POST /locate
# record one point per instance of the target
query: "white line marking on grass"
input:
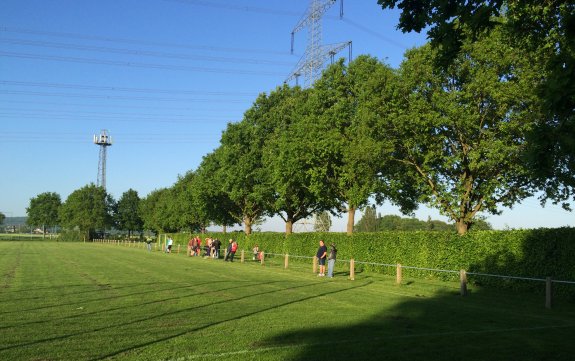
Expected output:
(450, 333)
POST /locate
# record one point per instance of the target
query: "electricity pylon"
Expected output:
(311, 63)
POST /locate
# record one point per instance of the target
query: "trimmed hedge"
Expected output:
(534, 253)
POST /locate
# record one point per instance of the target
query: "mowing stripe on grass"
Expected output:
(371, 340)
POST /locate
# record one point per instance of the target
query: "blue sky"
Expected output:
(164, 77)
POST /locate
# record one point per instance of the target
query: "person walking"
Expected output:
(228, 250)
(170, 243)
(233, 250)
(321, 257)
(331, 260)
(149, 243)
(217, 245)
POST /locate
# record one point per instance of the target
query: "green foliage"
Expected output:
(43, 210)
(525, 253)
(369, 221)
(126, 212)
(70, 235)
(545, 29)
(459, 133)
(87, 209)
(2, 218)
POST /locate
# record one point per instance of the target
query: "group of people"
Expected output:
(322, 255)
(211, 247)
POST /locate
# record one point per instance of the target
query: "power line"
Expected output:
(122, 89)
(116, 97)
(157, 54)
(242, 8)
(367, 30)
(137, 42)
(136, 65)
(74, 112)
(122, 106)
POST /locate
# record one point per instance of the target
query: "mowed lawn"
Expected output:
(83, 301)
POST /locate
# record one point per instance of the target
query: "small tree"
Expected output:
(43, 210)
(127, 215)
(88, 209)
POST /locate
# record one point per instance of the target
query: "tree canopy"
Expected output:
(88, 209)
(459, 132)
(43, 210)
(127, 212)
(545, 29)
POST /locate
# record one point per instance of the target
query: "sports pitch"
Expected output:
(84, 301)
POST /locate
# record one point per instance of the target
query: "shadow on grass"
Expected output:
(238, 317)
(444, 327)
(507, 321)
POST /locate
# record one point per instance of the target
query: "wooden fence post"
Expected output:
(286, 261)
(262, 256)
(548, 293)
(352, 269)
(314, 264)
(242, 256)
(178, 252)
(398, 274)
(463, 282)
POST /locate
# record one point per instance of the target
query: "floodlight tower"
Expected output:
(311, 63)
(103, 140)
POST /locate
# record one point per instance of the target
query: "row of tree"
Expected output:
(466, 124)
(454, 137)
(371, 221)
(87, 209)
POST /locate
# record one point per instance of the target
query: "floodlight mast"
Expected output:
(103, 141)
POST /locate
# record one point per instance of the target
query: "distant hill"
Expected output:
(14, 221)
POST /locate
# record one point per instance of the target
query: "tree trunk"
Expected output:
(461, 226)
(43, 231)
(247, 225)
(289, 226)
(224, 229)
(350, 220)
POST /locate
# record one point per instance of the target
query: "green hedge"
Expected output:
(526, 253)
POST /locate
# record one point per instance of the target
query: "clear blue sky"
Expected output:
(164, 77)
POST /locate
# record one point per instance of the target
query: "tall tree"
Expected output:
(2, 218)
(150, 212)
(544, 28)
(369, 220)
(459, 132)
(127, 214)
(88, 209)
(293, 160)
(343, 135)
(43, 210)
(188, 209)
(209, 191)
(241, 174)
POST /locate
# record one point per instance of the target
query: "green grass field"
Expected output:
(76, 301)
